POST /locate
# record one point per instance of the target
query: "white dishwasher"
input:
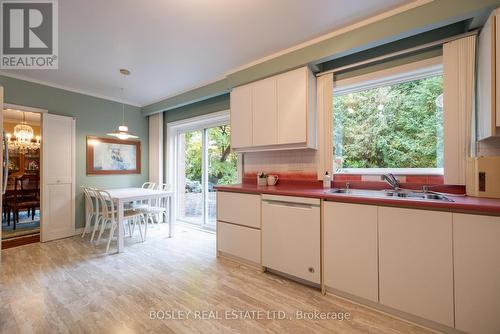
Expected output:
(291, 236)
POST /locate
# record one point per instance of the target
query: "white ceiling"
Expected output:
(174, 45)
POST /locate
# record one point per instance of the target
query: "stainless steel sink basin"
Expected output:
(402, 194)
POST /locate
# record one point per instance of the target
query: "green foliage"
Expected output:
(193, 142)
(222, 164)
(396, 126)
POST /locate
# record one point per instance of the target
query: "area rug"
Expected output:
(24, 227)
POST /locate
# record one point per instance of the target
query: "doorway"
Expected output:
(202, 159)
(22, 139)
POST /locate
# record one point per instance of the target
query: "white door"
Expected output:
(58, 177)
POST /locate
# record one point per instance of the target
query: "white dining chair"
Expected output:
(110, 217)
(91, 212)
(157, 208)
(145, 203)
(148, 185)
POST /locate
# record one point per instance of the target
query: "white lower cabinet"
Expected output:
(239, 241)
(416, 262)
(350, 249)
(476, 241)
(238, 226)
(291, 236)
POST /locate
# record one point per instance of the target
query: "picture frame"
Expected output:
(107, 156)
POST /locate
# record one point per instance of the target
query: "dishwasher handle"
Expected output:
(289, 204)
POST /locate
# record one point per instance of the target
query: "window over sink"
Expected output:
(390, 121)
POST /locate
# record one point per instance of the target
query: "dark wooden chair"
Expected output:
(25, 196)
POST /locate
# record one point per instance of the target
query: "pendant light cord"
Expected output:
(123, 109)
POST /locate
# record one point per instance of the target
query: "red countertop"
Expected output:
(464, 204)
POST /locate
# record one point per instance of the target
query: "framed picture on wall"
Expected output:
(113, 156)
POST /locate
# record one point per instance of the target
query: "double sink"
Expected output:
(400, 194)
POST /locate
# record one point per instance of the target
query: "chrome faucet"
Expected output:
(392, 180)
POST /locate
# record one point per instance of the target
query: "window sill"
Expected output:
(395, 171)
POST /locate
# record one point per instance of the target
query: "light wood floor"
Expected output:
(70, 286)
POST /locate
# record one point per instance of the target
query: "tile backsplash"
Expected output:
(291, 164)
(302, 165)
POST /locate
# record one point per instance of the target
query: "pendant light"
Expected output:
(123, 132)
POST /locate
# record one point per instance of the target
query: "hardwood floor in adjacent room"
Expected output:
(71, 286)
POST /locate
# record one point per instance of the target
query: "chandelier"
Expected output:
(23, 138)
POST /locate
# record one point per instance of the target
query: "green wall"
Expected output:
(207, 106)
(94, 116)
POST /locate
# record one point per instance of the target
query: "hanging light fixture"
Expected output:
(123, 132)
(23, 136)
(23, 132)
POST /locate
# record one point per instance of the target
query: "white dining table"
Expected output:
(121, 196)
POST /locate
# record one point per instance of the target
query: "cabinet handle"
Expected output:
(311, 270)
(289, 204)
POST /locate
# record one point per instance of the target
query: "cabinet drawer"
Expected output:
(241, 209)
(240, 241)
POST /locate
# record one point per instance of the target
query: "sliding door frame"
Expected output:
(174, 129)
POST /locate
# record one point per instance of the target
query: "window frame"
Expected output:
(394, 75)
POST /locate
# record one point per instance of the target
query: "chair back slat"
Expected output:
(106, 204)
(163, 200)
(148, 185)
(89, 201)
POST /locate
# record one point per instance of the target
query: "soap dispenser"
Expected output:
(327, 181)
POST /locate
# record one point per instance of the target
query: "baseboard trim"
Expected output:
(20, 241)
(394, 313)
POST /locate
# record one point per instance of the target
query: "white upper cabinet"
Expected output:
(292, 102)
(275, 113)
(264, 112)
(241, 117)
(488, 77)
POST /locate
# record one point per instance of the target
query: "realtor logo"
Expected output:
(29, 34)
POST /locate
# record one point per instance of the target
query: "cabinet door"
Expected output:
(291, 239)
(350, 249)
(241, 117)
(239, 241)
(415, 262)
(497, 67)
(264, 112)
(292, 106)
(476, 241)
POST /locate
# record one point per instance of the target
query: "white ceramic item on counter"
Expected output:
(272, 180)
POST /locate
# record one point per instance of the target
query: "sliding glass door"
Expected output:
(204, 160)
(190, 180)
